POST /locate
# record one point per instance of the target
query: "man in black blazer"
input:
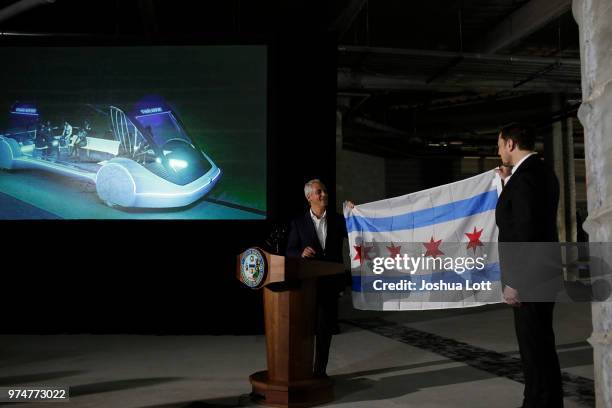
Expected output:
(527, 212)
(319, 234)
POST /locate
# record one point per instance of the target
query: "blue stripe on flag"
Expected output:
(422, 218)
(491, 272)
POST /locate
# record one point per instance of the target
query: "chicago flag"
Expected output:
(456, 219)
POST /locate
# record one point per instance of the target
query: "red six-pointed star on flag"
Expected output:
(361, 253)
(432, 248)
(394, 250)
(474, 238)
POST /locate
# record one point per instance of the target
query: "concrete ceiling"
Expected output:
(442, 71)
(409, 72)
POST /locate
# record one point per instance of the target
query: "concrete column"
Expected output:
(556, 150)
(593, 18)
(569, 175)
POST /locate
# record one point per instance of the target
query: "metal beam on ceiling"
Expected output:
(349, 49)
(445, 69)
(20, 7)
(370, 82)
(345, 19)
(523, 22)
(456, 102)
(376, 68)
(389, 130)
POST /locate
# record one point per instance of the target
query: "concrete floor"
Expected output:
(456, 358)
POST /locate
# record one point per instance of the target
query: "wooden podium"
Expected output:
(289, 286)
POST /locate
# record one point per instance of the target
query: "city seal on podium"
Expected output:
(253, 267)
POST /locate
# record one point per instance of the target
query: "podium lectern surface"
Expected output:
(289, 286)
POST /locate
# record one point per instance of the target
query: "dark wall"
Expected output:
(404, 176)
(304, 116)
(178, 277)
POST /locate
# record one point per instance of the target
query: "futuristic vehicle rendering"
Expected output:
(143, 158)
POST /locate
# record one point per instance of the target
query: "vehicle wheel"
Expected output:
(115, 185)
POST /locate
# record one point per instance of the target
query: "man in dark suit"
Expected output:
(319, 234)
(527, 212)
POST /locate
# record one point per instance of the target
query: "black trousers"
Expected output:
(326, 322)
(533, 323)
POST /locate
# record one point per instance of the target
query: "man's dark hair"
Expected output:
(521, 134)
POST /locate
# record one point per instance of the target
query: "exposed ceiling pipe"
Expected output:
(379, 126)
(20, 7)
(528, 19)
(464, 55)
(347, 16)
(348, 81)
(25, 34)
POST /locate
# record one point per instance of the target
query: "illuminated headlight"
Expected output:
(55, 143)
(177, 164)
(158, 160)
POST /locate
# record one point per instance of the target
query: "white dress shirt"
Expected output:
(320, 227)
(516, 166)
